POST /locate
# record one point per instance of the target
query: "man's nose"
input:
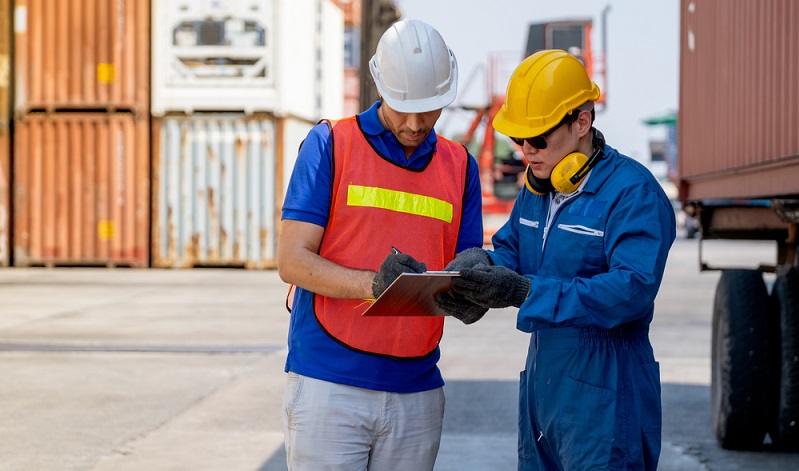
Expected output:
(414, 121)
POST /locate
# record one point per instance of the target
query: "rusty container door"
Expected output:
(81, 190)
(214, 191)
(739, 96)
(81, 54)
(5, 151)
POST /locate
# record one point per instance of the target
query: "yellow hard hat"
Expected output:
(542, 90)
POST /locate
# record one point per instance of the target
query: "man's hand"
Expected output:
(459, 307)
(468, 259)
(394, 265)
(491, 286)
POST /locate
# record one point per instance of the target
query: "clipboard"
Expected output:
(412, 294)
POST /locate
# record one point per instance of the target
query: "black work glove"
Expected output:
(492, 286)
(459, 307)
(393, 265)
(468, 259)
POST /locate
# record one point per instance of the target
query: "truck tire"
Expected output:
(785, 298)
(739, 360)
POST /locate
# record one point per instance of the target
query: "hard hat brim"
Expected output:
(419, 106)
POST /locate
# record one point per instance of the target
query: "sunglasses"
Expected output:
(540, 142)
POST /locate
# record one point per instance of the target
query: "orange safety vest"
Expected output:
(377, 204)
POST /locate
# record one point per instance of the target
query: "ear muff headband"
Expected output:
(569, 172)
(538, 186)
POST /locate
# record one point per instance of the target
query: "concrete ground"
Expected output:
(123, 370)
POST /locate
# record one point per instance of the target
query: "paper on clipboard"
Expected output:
(412, 294)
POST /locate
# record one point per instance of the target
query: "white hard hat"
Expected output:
(413, 68)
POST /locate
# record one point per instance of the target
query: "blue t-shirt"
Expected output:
(314, 353)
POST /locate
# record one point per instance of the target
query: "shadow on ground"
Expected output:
(480, 432)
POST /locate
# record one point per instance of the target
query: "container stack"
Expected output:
(236, 86)
(81, 133)
(5, 159)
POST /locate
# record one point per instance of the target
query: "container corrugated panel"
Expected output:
(739, 96)
(214, 191)
(81, 190)
(5, 164)
(81, 54)
(291, 133)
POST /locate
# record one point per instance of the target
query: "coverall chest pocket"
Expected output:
(578, 245)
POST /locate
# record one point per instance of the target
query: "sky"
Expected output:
(642, 56)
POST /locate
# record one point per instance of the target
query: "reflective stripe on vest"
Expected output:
(399, 201)
(377, 204)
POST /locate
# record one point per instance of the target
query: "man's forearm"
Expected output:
(314, 273)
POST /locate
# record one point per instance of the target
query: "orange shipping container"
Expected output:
(739, 92)
(5, 63)
(5, 204)
(81, 190)
(81, 54)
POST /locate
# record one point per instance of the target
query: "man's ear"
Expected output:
(583, 123)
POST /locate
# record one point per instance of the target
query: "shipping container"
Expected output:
(292, 132)
(81, 54)
(739, 99)
(311, 74)
(248, 56)
(352, 56)
(330, 75)
(5, 151)
(81, 190)
(216, 190)
(213, 56)
(738, 174)
(5, 197)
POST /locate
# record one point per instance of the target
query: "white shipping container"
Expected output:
(333, 62)
(292, 132)
(215, 184)
(312, 80)
(284, 57)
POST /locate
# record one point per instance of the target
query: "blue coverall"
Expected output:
(590, 394)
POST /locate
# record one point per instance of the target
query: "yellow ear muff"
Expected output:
(561, 177)
(569, 172)
(534, 184)
(563, 172)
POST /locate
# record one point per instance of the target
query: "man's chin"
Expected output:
(413, 142)
(540, 174)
